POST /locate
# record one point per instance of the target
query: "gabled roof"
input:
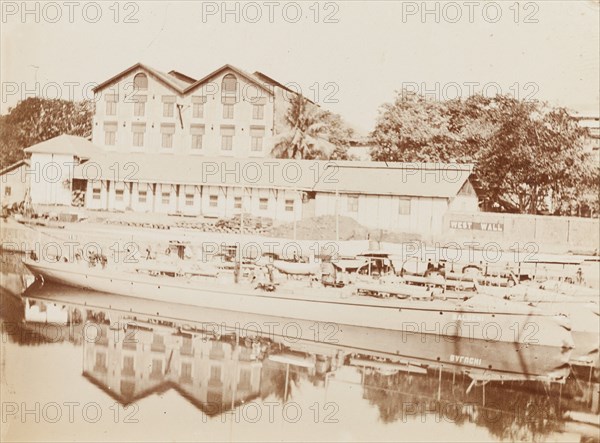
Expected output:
(181, 76)
(184, 84)
(249, 77)
(266, 79)
(170, 81)
(66, 144)
(14, 166)
(375, 178)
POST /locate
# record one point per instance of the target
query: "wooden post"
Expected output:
(439, 395)
(239, 251)
(287, 377)
(337, 214)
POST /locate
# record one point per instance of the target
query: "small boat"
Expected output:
(296, 268)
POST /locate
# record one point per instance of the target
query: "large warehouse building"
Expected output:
(166, 143)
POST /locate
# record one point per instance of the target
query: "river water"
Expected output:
(126, 369)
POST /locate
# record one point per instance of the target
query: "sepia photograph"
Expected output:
(300, 221)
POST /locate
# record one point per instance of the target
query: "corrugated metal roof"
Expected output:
(379, 178)
(66, 144)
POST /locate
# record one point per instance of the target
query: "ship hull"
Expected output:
(508, 340)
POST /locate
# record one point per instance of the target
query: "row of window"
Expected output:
(213, 200)
(185, 373)
(263, 203)
(139, 109)
(197, 132)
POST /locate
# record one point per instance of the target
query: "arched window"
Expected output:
(229, 84)
(140, 81)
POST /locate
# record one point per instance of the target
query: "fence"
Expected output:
(548, 233)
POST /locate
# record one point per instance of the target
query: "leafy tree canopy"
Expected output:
(35, 120)
(525, 153)
(313, 133)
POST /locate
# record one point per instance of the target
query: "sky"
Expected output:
(350, 57)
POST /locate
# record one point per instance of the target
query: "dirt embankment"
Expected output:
(324, 228)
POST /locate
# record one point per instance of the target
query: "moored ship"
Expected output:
(482, 333)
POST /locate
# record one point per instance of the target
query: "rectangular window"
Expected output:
(167, 140)
(198, 110)
(110, 133)
(100, 362)
(256, 143)
(289, 205)
(237, 203)
(156, 367)
(139, 109)
(352, 203)
(258, 112)
(198, 106)
(189, 199)
(96, 191)
(186, 371)
(196, 142)
(197, 132)
(228, 111)
(110, 138)
(168, 109)
(215, 373)
(167, 131)
(263, 204)
(128, 368)
(166, 198)
(142, 196)
(245, 379)
(7, 191)
(138, 139)
(168, 105)
(111, 104)
(256, 138)
(138, 134)
(139, 106)
(227, 133)
(213, 201)
(226, 142)
(404, 206)
(111, 108)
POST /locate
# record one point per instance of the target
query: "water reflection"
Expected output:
(213, 375)
(132, 357)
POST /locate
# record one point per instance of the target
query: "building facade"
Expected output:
(169, 144)
(14, 183)
(227, 113)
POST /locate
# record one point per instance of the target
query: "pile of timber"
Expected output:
(252, 225)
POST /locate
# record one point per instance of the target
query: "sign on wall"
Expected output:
(476, 226)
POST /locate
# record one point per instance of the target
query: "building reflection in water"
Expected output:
(218, 374)
(214, 375)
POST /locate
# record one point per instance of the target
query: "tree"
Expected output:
(525, 153)
(35, 120)
(312, 134)
(338, 133)
(535, 153)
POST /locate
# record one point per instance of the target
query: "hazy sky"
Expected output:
(350, 61)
